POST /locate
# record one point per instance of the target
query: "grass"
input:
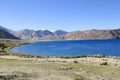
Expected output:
(93, 70)
(54, 70)
(78, 77)
(6, 45)
(34, 70)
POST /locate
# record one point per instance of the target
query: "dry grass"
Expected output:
(16, 68)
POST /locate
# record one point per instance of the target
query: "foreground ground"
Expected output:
(88, 68)
(26, 67)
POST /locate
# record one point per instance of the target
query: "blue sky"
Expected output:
(68, 15)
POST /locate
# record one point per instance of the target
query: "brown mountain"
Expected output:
(93, 34)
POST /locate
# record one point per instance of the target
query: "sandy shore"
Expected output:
(87, 68)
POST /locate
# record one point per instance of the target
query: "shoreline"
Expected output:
(16, 43)
(80, 56)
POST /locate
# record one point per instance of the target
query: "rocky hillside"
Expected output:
(37, 35)
(6, 35)
(93, 34)
(60, 32)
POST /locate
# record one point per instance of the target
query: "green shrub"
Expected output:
(79, 78)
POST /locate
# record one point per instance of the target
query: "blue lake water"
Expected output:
(71, 48)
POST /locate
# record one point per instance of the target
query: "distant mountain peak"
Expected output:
(60, 32)
(44, 30)
(52, 30)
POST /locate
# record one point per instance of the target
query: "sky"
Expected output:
(69, 15)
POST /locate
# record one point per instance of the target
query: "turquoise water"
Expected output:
(71, 48)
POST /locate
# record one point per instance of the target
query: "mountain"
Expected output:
(6, 35)
(36, 35)
(93, 34)
(60, 32)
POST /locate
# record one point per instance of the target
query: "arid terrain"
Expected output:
(87, 68)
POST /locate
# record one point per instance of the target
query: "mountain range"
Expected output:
(39, 34)
(27, 34)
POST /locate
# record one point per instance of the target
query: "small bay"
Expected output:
(71, 48)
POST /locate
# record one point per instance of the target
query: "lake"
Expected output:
(71, 48)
